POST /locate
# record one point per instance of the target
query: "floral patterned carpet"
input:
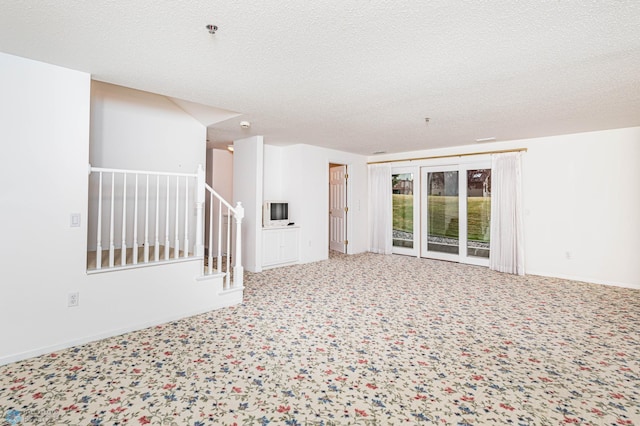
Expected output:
(365, 339)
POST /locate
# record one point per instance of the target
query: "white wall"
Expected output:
(248, 158)
(582, 203)
(222, 172)
(582, 197)
(273, 172)
(303, 173)
(131, 129)
(45, 134)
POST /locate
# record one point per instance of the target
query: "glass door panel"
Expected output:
(478, 212)
(456, 212)
(406, 219)
(402, 200)
(442, 213)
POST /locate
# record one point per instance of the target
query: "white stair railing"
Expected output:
(132, 203)
(224, 247)
(156, 207)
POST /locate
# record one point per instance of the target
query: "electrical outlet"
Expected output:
(73, 299)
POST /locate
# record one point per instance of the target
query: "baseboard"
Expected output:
(231, 291)
(84, 340)
(585, 279)
(209, 277)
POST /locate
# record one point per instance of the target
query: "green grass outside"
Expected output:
(402, 212)
(443, 216)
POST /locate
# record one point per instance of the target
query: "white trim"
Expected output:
(231, 290)
(348, 224)
(144, 265)
(208, 277)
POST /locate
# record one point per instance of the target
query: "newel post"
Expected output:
(200, 193)
(238, 270)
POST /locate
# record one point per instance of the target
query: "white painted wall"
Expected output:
(222, 172)
(131, 129)
(581, 197)
(45, 132)
(303, 172)
(273, 172)
(248, 157)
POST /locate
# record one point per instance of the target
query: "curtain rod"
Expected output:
(502, 151)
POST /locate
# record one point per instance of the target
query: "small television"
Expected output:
(275, 213)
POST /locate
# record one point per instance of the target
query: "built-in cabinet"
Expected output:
(280, 246)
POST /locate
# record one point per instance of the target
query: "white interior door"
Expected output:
(338, 208)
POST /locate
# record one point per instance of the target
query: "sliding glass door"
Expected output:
(478, 212)
(405, 183)
(441, 214)
(456, 212)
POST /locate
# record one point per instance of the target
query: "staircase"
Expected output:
(146, 218)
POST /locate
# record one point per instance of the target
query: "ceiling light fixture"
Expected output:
(230, 148)
(491, 139)
(245, 124)
(212, 28)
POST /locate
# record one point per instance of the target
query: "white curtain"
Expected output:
(380, 208)
(507, 245)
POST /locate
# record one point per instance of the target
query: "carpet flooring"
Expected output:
(358, 340)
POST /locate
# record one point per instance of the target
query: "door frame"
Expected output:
(347, 224)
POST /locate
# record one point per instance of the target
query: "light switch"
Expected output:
(75, 220)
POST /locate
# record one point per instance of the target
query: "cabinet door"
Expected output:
(289, 245)
(270, 247)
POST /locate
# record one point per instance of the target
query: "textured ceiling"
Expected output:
(352, 75)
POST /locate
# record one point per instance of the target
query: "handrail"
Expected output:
(231, 256)
(141, 172)
(219, 197)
